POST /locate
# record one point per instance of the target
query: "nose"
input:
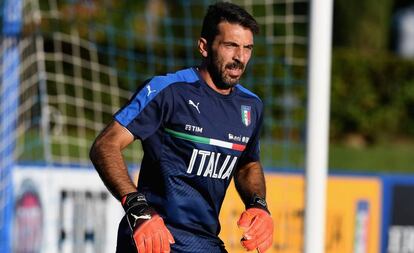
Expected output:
(242, 55)
(239, 55)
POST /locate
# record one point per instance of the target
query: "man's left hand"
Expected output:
(257, 225)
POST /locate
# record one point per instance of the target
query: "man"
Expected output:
(199, 128)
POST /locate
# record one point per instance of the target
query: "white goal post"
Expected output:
(317, 141)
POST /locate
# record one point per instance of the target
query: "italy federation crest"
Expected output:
(246, 115)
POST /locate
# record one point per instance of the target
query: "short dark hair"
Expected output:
(224, 11)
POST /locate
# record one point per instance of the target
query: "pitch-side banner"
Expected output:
(69, 210)
(62, 210)
(398, 212)
(352, 215)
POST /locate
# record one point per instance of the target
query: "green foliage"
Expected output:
(372, 95)
(363, 25)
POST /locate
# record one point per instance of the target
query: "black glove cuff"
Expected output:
(258, 202)
(136, 209)
(135, 202)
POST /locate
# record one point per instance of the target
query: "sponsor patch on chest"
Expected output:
(195, 129)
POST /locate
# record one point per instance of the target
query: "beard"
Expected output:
(219, 72)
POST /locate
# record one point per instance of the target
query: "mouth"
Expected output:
(235, 69)
(234, 72)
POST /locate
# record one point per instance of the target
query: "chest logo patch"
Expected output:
(190, 102)
(246, 115)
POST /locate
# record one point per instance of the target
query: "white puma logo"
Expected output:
(145, 217)
(190, 102)
(149, 90)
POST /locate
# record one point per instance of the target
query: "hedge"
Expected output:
(372, 95)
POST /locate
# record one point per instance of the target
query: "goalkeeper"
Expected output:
(199, 128)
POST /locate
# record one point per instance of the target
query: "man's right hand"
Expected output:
(149, 233)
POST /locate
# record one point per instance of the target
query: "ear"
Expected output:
(202, 47)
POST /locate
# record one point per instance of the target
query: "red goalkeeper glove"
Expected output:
(257, 225)
(149, 233)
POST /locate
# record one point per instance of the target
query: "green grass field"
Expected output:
(384, 157)
(391, 158)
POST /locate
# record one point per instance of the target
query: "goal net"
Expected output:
(74, 63)
(81, 60)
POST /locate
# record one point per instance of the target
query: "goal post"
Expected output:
(11, 18)
(317, 141)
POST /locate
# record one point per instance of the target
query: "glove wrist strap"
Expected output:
(134, 200)
(258, 202)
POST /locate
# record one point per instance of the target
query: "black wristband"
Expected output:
(137, 210)
(258, 202)
(135, 201)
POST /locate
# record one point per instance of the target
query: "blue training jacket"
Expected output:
(194, 139)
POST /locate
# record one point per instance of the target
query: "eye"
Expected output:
(249, 47)
(230, 44)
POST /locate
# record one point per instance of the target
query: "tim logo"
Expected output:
(246, 115)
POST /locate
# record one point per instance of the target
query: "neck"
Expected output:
(208, 79)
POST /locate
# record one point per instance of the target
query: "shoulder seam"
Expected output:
(247, 92)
